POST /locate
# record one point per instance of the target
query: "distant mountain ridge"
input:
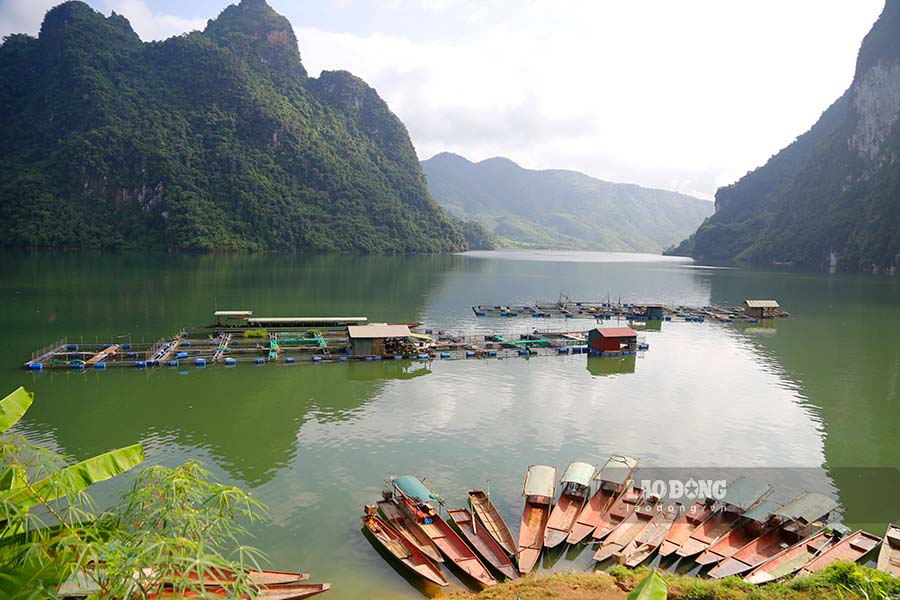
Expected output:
(208, 141)
(831, 199)
(561, 209)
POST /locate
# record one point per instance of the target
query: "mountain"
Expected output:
(212, 140)
(831, 199)
(561, 209)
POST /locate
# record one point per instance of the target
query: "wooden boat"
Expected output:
(741, 495)
(614, 477)
(538, 489)
(646, 543)
(406, 553)
(753, 523)
(576, 484)
(416, 500)
(480, 539)
(850, 549)
(291, 591)
(889, 555)
(792, 559)
(491, 520)
(624, 505)
(629, 529)
(683, 526)
(80, 585)
(799, 518)
(405, 526)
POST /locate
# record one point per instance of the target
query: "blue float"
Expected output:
(469, 354)
(200, 362)
(100, 365)
(562, 350)
(317, 359)
(140, 364)
(186, 342)
(343, 359)
(398, 357)
(230, 362)
(523, 352)
(36, 367)
(78, 365)
(445, 355)
(181, 355)
(172, 363)
(423, 356)
(126, 346)
(290, 359)
(492, 353)
(260, 360)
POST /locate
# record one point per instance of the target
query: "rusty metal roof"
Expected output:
(616, 332)
(358, 332)
(761, 303)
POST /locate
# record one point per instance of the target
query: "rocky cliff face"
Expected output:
(832, 198)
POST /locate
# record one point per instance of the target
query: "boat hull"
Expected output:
(717, 525)
(397, 518)
(791, 560)
(850, 549)
(531, 534)
(483, 543)
(620, 510)
(753, 554)
(491, 519)
(683, 526)
(561, 519)
(404, 551)
(889, 555)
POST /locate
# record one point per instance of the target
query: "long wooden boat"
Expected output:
(755, 522)
(491, 520)
(792, 559)
(799, 518)
(480, 539)
(292, 591)
(80, 585)
(415, 498)
(405, 526)
(629, 529)
(576, 484)
(646, 543)
(538, 489)
(741, 495)
(406, 553)
(615, 477)
(889, 555)
(620, 510)
(850, 549)
(686, 522)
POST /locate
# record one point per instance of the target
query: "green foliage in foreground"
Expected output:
(212, 140)
(173, 526)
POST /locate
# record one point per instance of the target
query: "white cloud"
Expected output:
(151, 25)
(22, 16)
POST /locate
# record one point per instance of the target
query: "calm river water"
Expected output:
(817, 392)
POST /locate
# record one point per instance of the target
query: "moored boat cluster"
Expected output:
(738, 532)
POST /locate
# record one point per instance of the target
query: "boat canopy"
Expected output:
(578, 472)
(807, 507)
(415, 489)
(762, 511)
(540, 481)
(743, 493)
(618, 469)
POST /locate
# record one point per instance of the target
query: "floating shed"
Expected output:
(653, 312)
(612, 339)
(369, 340)
(760, 309)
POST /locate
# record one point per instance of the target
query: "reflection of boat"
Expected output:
(416, 499)
(646, 543)
(539, 489)
(629, 529)
(799, 518)
(755, 522)
(614, 477)
(683, 526)
(741, 495)
(405, 526)
(479, 538)
(850, 549)
(576, 483)
(402, 549)
(792, 559)
(889, 555)
(491, 520)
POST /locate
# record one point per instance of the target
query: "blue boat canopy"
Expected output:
(807, 507)
(540, 481)
(415, 489)
(618, 469)
(578, 472)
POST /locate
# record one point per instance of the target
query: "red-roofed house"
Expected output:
(612, 339)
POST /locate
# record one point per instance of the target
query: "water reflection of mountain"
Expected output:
(247, 418)
(840, 347)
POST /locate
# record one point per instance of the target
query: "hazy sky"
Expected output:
(686, 95)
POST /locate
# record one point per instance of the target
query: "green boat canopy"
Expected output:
(618, 469)
(742, 493)
(578, 472)
(415, 489)
(762, 511)
(540, 481)
(807, 507)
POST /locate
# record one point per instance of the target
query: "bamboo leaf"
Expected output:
(76, 478)
(13, 407)
(12, 478)
(652, 587)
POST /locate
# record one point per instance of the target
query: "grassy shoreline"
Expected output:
(841, 581)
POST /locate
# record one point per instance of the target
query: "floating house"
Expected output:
(612, 339)
(653, 312)
(370, 340)
(760, 309)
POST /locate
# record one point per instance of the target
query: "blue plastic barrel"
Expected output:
(172, 363)
(398, 357)
(317, 359)
(445, 355)
(78, 365)
(36, 367)
(376, 357)
(72, 347)
(290, 359)
(369, 358)
(260, 360)
(469, 354)
(200, 362)
(523, 352)
(423, 356)
(492, 353)
(536, 315)
(100, 365)
(343, 359)
(140, 364)
(186, 343)
(514, 314)
(230, 362)
(532, 351)
(481, 314)
(181, 355)
(131, 355)
(562, 350)
(126, 346)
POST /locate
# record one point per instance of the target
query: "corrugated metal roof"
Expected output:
(762, 511)
(612, 332)
(233, 313)
(378, 331)
(540, 481)
(579, 472)
(308, 320)
(761, 303)
(743, 492)
(807, 507)
(618, 469)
